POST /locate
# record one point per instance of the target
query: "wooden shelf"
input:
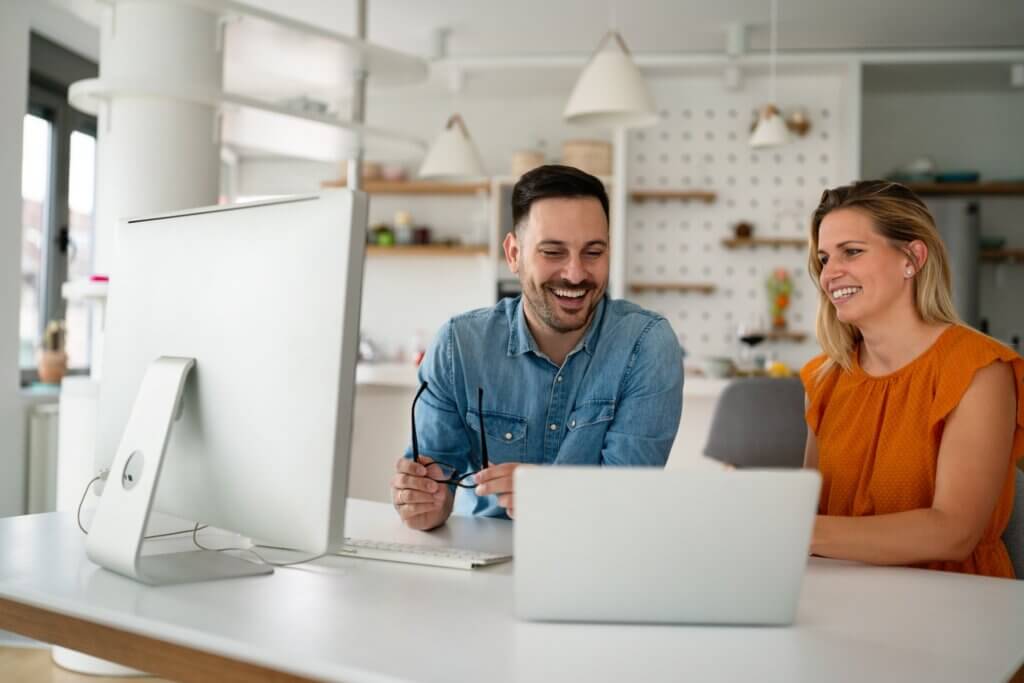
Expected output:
(1002, 255)
(990, 188)
(699, 287)
(417, 187)
(741, 242)
(785, 335)
(686, 195)
(428, 250)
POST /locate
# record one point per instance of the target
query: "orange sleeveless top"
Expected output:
(878, 437)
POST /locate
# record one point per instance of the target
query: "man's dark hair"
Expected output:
(550, 181)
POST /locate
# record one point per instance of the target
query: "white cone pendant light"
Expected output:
(611, 91)
(771, 130)
(452, 154)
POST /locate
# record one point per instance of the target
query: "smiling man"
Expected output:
(559, 375)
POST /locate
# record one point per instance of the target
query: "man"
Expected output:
(559, 375)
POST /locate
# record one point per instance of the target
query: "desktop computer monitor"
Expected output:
(229, 371)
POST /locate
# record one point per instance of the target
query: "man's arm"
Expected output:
(421, 502)
(650, 403)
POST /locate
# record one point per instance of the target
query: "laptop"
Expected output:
(684, 546)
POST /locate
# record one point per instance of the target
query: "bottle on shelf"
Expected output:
(403, 228)
(417, 348)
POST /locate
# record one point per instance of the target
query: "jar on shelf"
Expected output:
(403, 228)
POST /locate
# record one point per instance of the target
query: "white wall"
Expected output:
(510, 110)
(966, 119)
(701, 141)
(406, 295)
(17, 18)
(958, 130)
(14, 25)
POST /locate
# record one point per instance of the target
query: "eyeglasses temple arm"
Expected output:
(483, 436)
(415, 442)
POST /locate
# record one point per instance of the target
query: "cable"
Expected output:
(262, 559)
(195, 531)
(82, 502)
(85, 531)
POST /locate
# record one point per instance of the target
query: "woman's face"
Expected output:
(862, 273)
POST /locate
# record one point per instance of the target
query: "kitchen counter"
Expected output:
(404, 375)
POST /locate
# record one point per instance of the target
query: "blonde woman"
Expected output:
(916, 420)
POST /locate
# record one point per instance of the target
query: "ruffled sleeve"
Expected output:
(815, 389)
(970, 353)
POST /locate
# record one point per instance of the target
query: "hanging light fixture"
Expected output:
(611, 91)
(452, 154)
(771, 130)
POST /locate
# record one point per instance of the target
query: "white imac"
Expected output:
(229, 372)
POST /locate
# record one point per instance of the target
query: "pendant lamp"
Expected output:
(611, 91)
(452, 154)
(771, 130)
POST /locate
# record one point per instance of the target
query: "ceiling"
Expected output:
(562, 27)
(488, 27)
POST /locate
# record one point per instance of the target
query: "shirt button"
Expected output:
(553, 427)
(508, 436)
(558, 379)
(573, 423)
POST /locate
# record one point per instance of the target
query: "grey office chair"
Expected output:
(1013, 537)
(759, 422)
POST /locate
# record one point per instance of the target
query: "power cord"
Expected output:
(102, 476)
(262, 559)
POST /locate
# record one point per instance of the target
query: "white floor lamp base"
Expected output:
(86, 664)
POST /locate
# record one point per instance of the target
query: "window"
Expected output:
(58, 190)
(35, 189)
(81, 195)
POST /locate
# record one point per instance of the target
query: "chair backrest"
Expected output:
(759, 422)
(1013, 537)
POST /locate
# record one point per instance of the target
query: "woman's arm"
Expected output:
(973, 461)
(811, 449)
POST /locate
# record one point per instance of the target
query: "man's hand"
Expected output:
(421, 502)
(498, 479)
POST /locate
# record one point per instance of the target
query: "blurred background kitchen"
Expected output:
(714, 125)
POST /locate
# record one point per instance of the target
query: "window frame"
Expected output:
(52, 69)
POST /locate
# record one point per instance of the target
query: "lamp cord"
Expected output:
(772, 46)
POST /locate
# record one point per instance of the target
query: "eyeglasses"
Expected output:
(449, 474)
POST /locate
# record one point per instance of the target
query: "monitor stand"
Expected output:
(116, 535)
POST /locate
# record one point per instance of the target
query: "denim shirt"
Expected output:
(616, 400)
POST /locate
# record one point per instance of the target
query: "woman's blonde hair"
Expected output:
(900, 216)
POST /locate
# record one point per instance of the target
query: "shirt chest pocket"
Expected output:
(506, 435)
(596, 413)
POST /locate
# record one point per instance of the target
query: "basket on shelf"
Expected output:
(592, 156)
(526, 160)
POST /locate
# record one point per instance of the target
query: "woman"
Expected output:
(915, 419)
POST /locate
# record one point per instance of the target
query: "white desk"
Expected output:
(353, 620)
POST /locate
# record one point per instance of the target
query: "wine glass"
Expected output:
(750, 332)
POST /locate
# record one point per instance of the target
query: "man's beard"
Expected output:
(544, 303)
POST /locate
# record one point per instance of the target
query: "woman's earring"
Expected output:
(910, 272)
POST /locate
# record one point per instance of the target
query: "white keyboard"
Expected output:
(433, 556)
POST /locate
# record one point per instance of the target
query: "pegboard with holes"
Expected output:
(701, 143)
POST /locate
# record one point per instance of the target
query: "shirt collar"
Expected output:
(521, 341)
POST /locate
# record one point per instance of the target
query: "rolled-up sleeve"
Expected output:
(650, 404)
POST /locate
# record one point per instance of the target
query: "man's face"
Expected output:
(561, 258)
